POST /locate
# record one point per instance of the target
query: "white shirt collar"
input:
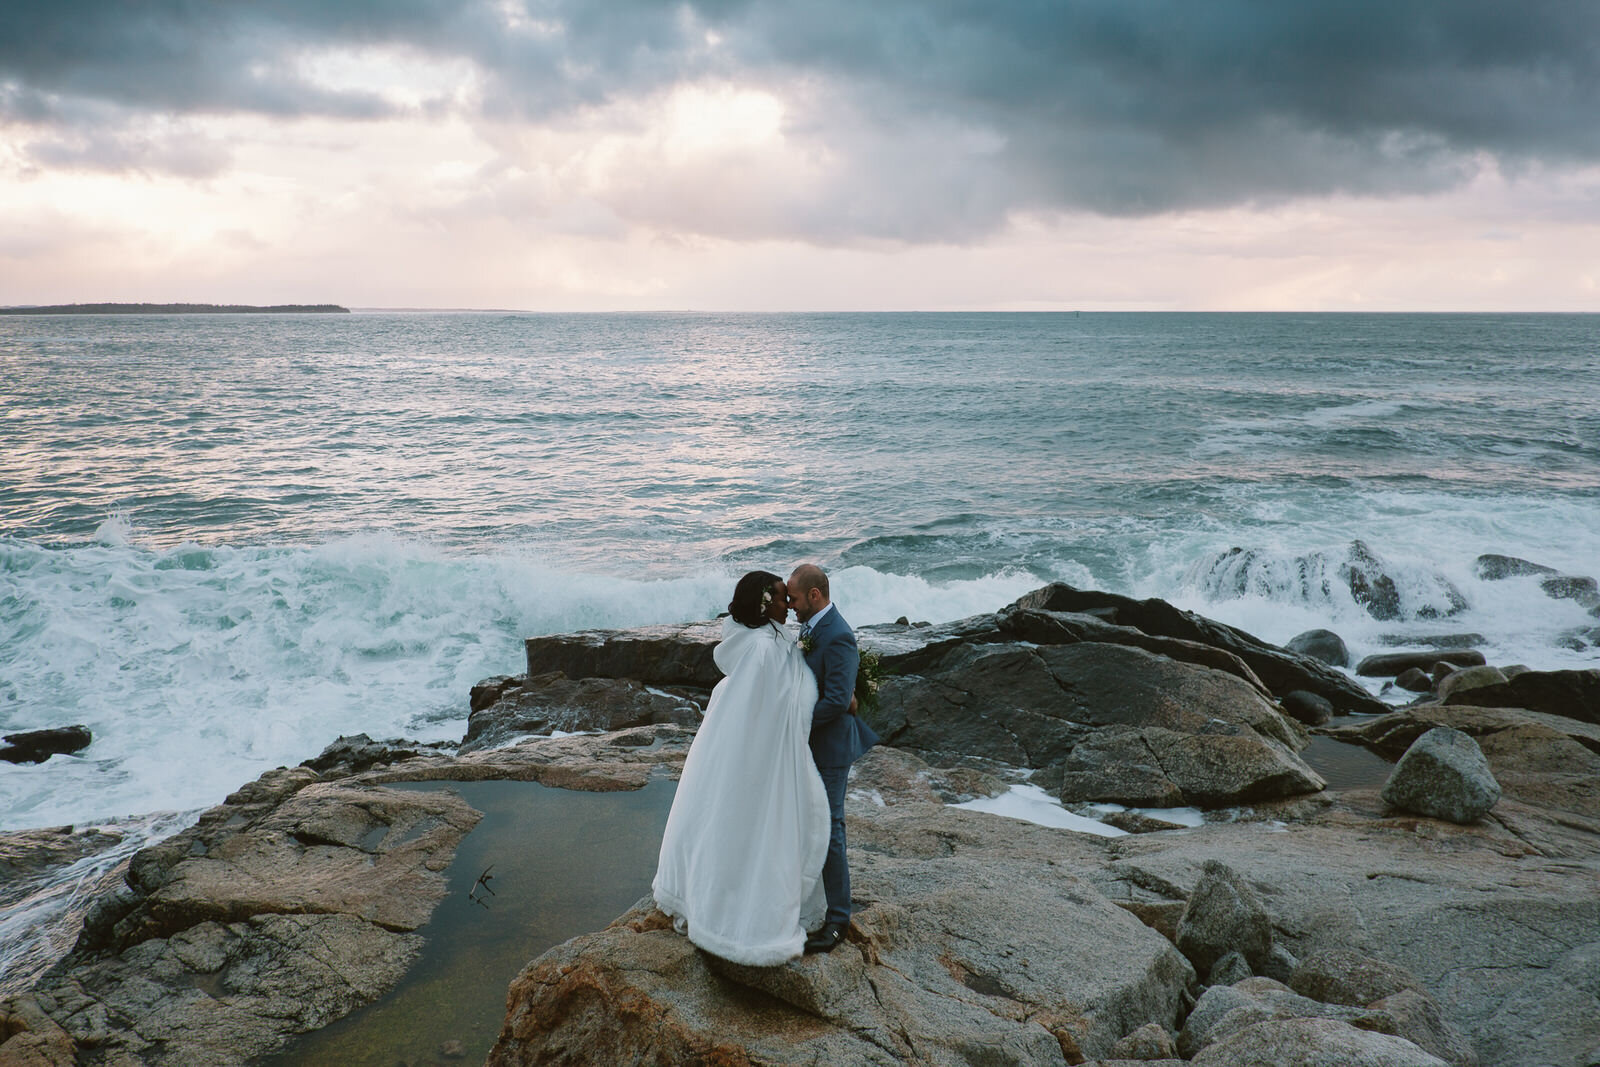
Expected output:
(811, 623)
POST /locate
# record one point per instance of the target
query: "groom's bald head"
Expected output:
(808, 591)
(809, 576)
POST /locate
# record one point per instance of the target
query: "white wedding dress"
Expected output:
(741, 859)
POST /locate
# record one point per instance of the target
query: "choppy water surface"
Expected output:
(226, 540)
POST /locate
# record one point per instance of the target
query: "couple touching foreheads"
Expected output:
(753, 858)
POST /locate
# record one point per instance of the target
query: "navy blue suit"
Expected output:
(838, 739)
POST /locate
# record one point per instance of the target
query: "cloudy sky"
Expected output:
(768, 154)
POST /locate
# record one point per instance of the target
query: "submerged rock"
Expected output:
(1491, 567)
(1570, 587)
(1445, 776)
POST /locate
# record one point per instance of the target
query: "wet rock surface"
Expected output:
(286, 907)
(36, 746)
(544, 703)
(977, 938)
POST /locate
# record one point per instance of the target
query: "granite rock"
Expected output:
(1322, 645)
(1224, 915)
(1313, 1043)
(1443, 775)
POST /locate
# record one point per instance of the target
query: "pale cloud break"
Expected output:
(751, 154)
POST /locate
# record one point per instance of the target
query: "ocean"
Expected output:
(226, 540)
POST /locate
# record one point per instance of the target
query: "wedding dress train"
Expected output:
(741, 859)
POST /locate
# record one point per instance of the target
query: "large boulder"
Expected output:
(1225, 1010)
(1113, 722)
(1443, 775)
(651, 655)
(1307, 708)
(547, 702)
(1065, 628)
(1574, 694)
(1345, 976)
(1280, 671)
(982, 948)
(1546, 760)
(1459, 682)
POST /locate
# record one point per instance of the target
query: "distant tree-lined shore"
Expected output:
(175, 309)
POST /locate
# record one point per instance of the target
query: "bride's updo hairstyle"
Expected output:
(746, 606)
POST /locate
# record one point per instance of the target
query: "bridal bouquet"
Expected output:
(869, 676)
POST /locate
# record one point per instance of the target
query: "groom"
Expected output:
(838, 737)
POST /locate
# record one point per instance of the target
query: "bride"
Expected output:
(741, 859)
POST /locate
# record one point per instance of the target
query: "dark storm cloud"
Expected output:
(1116, 106)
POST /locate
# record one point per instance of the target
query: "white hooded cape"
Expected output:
(741, 859)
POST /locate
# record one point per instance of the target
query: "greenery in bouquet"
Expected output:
(869, 677)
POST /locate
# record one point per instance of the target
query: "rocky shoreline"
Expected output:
(1298, 923)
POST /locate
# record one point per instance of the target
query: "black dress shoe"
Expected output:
(827, 937)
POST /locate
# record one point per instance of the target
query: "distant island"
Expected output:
(176, 309)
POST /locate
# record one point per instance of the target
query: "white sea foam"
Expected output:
(1423, 540)
(34, 926)
(197, 668)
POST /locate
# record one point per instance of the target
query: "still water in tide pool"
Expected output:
(561, 863)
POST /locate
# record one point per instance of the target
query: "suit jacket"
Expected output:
(838, 738)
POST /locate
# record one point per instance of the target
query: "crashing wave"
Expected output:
(1357, 576)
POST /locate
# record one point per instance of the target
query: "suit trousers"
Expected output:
(836, 871)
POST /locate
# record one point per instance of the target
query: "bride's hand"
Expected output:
(854, 703)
